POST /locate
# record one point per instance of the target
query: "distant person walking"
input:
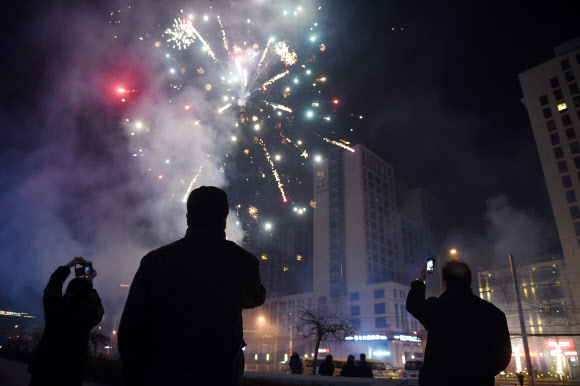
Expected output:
(327, 367)
(295, 363)
(60, 358)
(349, 369)
(364, 368)
(182, 323)
(468, 341)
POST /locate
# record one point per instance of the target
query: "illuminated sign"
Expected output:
(323, 350)
(382, 353)
(521, 354)
(571, 353)
(19, 314)
(408, 338)
(366, 337)
(565, 344)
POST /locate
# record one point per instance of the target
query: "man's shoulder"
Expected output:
(486, 306)
(165, 250)
(234, 248)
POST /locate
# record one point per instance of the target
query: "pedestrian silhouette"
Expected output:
(296, 366)
(327, 367)
(60, 358)
(521, 378)
(182, 322)
(349, 369)
(468, 339)
(364, 368)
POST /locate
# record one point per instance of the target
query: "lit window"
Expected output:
(561, 106)
(264, 257)
(299, 257)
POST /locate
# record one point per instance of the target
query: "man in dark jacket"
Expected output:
(468, 340)
(327, 367)
(182, 323)
(60, 358)
(364, 368)
(349, 369)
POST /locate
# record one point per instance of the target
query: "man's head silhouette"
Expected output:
(207, 206)
(456, 275)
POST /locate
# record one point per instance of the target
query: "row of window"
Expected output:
(379, 309)
(563, 108)
(565, 63)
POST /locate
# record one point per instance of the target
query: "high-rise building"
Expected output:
(356, 223)
(552, 98)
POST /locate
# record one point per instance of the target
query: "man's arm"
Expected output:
(417, 305)
(53, 290)
(504, 346)
(133, 329)
(96, 310)
(253, 292)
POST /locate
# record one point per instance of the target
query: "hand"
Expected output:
(92, 276)
(423, 273)
(75, 261)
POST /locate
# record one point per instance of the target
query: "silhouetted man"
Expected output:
(468, 340)
(60, 358)
(182, 322)
(364, 368)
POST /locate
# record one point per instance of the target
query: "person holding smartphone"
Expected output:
(468, 341)
(60, 357)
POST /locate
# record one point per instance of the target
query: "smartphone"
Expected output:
(86, 269)
(431, 264)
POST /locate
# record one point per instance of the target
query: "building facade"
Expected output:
(545, 290)
(552, 98)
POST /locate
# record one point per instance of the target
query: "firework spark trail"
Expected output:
(225, 39)
(224, 108)
(269, 82)
(205, 44)
(280, 107)
(274, 171)
(343, 144)
(190, 188)
(265, 52)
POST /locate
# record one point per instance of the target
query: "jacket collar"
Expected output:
(203, 233)
(457, 292)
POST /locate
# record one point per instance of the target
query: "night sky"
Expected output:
(437, 86)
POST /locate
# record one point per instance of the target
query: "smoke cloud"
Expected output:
(522, 232)
(98, 177)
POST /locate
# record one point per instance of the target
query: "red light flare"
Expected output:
(187, 107)
(335, 101)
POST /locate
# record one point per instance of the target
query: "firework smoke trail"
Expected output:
(274, 171)
(342, 144)
(190, 188)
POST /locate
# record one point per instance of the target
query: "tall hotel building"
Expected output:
(552, 98)
(356, 224)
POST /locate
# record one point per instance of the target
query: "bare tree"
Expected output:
(97, 338)
(319, 324)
